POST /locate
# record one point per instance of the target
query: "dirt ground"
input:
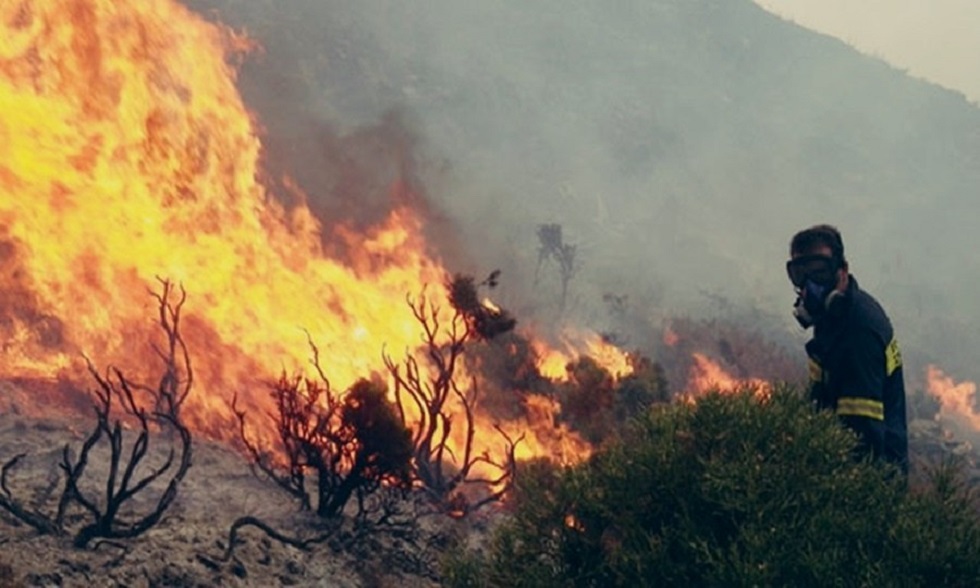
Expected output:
(186, 547)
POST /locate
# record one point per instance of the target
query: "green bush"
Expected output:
(734, 490)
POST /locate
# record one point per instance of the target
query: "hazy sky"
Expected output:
(938, 40)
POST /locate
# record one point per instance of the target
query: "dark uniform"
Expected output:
(856, 371)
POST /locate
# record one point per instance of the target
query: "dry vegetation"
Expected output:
(378, 480)
(356, 493)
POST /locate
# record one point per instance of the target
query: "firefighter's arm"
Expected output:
(816, 388)
(860, 405)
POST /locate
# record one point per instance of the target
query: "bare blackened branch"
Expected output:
(431, 394)
(505, 481)
(41, 523)
(11, 463)
(293, 480)
(250, 521)
(315, 360)
(433, 389)
(171, 392)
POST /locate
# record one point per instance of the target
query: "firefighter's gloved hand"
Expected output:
(801, 314)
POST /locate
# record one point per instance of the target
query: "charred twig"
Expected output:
(98, 545)
(170, 394)
(172, 391)
(41, 523)
(505, 481)
(430, 394)
(385, 510)
(250, 521)
(11, 463)
(293, 480)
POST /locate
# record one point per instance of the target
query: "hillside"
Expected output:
(679, 143)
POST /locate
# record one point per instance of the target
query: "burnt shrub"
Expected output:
(638, 391)
(352, 443)
(598, 405)
(587, 399)
(738, 489)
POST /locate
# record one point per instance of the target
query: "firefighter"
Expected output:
(855, 362)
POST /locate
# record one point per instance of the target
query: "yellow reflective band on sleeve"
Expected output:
(863, 407)
(816, 372)
(893, 357)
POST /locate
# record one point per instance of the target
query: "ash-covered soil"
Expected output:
(186, 547)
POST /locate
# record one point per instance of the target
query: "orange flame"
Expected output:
(552, 362)
(126, 153)
(547, 438)
(957, 400)
(708, 375)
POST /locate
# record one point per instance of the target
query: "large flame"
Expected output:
(957, 400)
(127, 155)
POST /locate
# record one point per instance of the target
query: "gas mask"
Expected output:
(815, 279)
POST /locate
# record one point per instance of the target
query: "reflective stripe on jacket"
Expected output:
(856, 371)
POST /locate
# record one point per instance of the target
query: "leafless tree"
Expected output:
(119, 400)
(552, 246)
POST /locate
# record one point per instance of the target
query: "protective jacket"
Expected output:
(856, 371)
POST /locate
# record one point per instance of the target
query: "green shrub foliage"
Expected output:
(733, 490)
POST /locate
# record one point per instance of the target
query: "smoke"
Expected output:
(679, 144)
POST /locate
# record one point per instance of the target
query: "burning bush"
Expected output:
(483, 322)
(598, 405)
(352, 442)
(641, 389)
(429, 395)
(735, 489)
(355, 444)
(587, 399)
(742, 349)
(508, 366)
